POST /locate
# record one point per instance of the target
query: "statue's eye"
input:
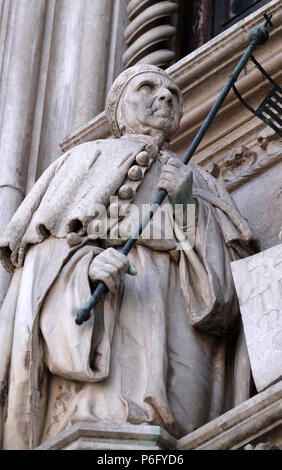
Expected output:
(146, 88)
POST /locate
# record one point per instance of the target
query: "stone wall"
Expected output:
(58, 59)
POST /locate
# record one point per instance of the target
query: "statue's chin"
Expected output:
(167, 132)
(163, 124)
(161, 127)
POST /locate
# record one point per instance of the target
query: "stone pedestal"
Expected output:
(107, 436)
(258, 281)
(257, 420)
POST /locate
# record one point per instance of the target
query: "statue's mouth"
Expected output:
(163, 112)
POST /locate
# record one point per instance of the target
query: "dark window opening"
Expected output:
(201, 20)
(228, 12)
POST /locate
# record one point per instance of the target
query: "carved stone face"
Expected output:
(151, 104)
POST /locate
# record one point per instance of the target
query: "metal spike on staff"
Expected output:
(258, 35)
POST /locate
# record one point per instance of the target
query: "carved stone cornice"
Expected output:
(96, 128)
(247, 161)
(253, 421)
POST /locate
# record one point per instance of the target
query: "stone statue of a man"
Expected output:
(155, 350)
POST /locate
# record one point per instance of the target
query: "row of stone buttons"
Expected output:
(125, 193)
(135, 173)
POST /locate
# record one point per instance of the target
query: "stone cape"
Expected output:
(67, 192)
(153, 366)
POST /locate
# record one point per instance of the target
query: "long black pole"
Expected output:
(258, 35)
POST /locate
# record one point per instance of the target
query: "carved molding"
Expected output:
(97, 128)
(246, 162)
(85, 435)
(253, 421)
(262, 446)
(145, 35)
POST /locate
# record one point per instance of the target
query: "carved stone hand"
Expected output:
(177, 179)
(110, 267)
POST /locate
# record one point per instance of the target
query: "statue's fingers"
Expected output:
(164, 183)
(168, 171)
(169, 166)
(112, 252)
(107, 278)
(121, 264)
(170, 177)
(165, 179)
(120, 261)
(101, 271)
(111, 282)
(131, 270)
(103, 265)
(174, 162)
(111, 260)
(120, 258)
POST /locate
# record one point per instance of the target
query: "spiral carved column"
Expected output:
(150, 32)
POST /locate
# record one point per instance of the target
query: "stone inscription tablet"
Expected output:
(258, 281)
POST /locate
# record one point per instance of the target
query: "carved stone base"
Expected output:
(257, 420)
(106, 436)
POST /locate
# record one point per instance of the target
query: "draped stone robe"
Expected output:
(156, 352)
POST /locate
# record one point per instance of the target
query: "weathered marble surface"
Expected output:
(258, 420)
(155, 351)
(258, 281)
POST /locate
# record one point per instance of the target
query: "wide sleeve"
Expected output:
(77, 352)
(222, 235)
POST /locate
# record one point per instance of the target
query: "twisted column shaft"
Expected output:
(150, 32)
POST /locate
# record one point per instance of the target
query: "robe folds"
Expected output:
(159, 351)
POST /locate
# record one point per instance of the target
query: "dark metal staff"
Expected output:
(258, 35)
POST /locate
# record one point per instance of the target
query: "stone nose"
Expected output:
(165, 95)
